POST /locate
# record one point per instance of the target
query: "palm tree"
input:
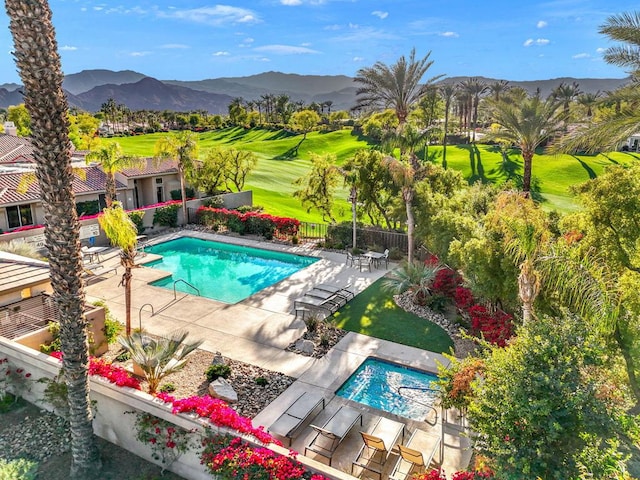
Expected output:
(414, 277)
(566, 94)
(112, 160)
(405, 176)
(122, 233)
(158, 357)
(182, 147)
(528, 125)
(447, 91)
(38, 64)
(625, 28)
(474, 88)
(498, 87)
(396, 86)
(589, 100)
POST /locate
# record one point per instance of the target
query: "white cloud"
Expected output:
(247, 42)
(68, 48)
(541, 24)
(581, 55)
(380, 14)
(284, 49)
(139, 54)
(358, 59)
(537, 41)
(291, 3)
(174, 46)
(601, 50)
(217, 16)
(449, 34)
(221, 54)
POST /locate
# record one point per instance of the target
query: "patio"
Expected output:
(258, 329)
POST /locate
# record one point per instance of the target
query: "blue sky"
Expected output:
(194, 40)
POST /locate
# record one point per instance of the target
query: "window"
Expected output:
(19, 216)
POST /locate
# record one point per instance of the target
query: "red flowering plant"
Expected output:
(166, 440)
(14, 381)
(496, 327)
(230, 458)
(446, 282)
(464, 475)
(113, 373)
(248, 223)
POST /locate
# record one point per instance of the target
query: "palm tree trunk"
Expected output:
(183, 193)
(444, 140)
(408, 200)
(528, 289)
(36, 54)
(110, 188)
(354, 214)
(126, 283)
(527, 156)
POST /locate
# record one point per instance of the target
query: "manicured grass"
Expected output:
(374, 313)
(279, 165)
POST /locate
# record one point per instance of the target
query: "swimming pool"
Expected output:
(221, 271)
(377, 383)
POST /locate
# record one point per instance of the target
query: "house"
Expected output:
(20, 204)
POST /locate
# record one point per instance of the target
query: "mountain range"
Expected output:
(89, 89)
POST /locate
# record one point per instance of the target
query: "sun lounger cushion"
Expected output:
(377, 445)
(330, 435)
(287, 424)
(416, 455)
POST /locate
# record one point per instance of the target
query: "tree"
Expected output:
(589, 100)
(305, 120)
(183, 148)
(158, 357)
(625, 28)
(415, 277)
(396, 86)
(19, 115)
(447, 91)
(38, 64)
(223, 166)
(565, 94)
(122, 233)
(112, 160)
(474, 88)
(318, 185)
(498, 87)
(528, 125)
(534, 409)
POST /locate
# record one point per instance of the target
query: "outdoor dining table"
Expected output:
(375, 257)
(93, 253)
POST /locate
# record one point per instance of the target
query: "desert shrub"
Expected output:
(166, 216)
(137, 217)
(112, 327)
(217, 370)
(262, 381)
(213, 202)
(168, 388)
(312, 322)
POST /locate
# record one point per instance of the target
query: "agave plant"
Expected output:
(414, 277)
(160, 356)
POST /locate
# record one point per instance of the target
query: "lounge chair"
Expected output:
(314, 303)
(411, 459)
(341, 291)
(288, 424)
(92, 271)
(329, 297)
(377, 445)
(330, 435)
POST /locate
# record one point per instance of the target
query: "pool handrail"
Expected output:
(175, 295)
(422, 389)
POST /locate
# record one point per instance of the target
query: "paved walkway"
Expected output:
(258, 329)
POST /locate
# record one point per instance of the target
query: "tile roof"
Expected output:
(94, 182)
(152, 168)
(15, 150)
(19, 272)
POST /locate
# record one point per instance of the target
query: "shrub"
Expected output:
(166, 216)
(342, 234)
(446, 282)
(112, 327)
(217, 370)
(168, 388)
(312, 322)
(262, 381)
(177, 194)
(137, 217)
(19, 468)
(248, 223)
(55, 345)
(213, 202)
(90, 207)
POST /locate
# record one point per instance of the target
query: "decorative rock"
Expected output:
(223, 390)
(218, 359)
(306, 347)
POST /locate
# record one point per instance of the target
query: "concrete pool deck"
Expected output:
(259, 328)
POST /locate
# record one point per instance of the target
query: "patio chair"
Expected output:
(377, 445)
(288, 424)
(385, 257)
(411, 459)
(93, 271)
(330, 435)
(341, 291)
(350, 259)
(365, 262)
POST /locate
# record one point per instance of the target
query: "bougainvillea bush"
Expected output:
(113, 373)
(250, 222)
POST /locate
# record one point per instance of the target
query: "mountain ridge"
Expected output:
(89, 89)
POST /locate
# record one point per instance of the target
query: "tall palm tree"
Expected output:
(112, 160)
(498, 87)
(394, 86)
(589, 100)
(447, 91)
(625, 28)
(566, 93)
(122, 233)
(528, 125)
(405, 176)
(474, 88)
(182, 147)
(38, 61)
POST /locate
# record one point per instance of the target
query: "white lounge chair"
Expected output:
(330, 435)
(288, 424)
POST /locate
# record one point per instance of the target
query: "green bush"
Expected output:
(137, 217)
(177, 195)
(168, 388)
(213, 202)
(341, 235)
(262, 381)
(112, 327)
(90, 207)
(217, 370)
(166, 216)
(55, 345)
(18, 469)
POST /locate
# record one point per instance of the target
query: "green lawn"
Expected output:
(278, 167)
(374, 313)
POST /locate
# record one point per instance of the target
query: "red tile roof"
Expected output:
(15, 150)
(152, 168)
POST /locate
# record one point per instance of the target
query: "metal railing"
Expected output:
(140, 314)
(421, 389)
(175, 295)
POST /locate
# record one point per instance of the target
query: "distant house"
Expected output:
(135, 188)
(632, 144)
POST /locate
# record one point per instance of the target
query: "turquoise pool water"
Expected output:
(221, 271)
(377, 383)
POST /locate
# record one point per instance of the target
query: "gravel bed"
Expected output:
(191, 380)
(324, 338)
